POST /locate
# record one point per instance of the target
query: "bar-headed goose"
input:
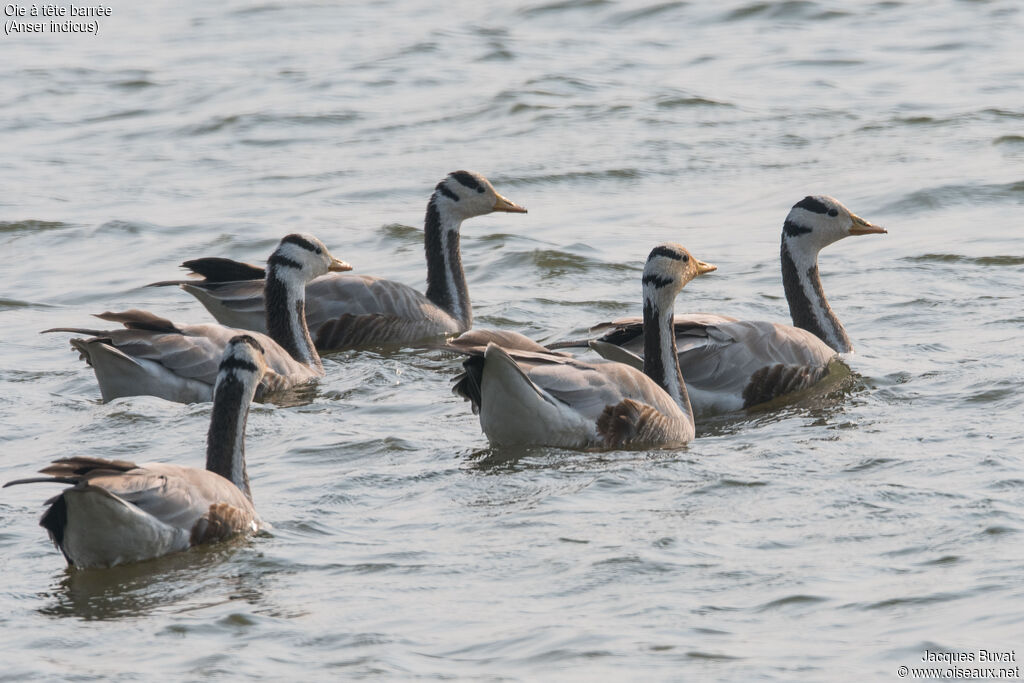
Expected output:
(344, 311)
(731, 364)
(526, 395)
(117, 512)
(156, 357)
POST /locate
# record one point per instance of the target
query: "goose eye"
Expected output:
(833, 213)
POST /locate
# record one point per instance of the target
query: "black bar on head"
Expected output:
(811, 204)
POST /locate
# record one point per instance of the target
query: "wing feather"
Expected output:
(392, 311)
(726, 361)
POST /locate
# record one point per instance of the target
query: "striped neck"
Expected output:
(285, 300)
(446, 280)
(808, 306)
(661, 360)
(225, 441)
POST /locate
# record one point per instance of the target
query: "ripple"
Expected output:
(912, 601)
(572, 176)
(781, 10)
(119, 115)
(728, 484)
(791, 600)
(644, 13)
(245, 122)
(1004, 113)
(870, 464)
(1009, 140)
(399, 231)
(944, 196)
(1001, 260)
(562, 6)
(31, 226)
(690, 101)
(135, 84)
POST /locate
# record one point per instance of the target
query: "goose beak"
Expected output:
(862, 227)
(338, 266)
(705, 267)
(508, 206)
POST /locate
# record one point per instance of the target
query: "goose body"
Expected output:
(349, 310)
(154, 356)
(731, 364)
(117, 512)
(527, 395)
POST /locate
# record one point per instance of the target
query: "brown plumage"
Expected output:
(630, 422)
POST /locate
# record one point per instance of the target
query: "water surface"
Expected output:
(832, 538)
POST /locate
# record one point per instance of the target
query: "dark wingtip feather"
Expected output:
(134, 319)
(74, 330)
(216, 269)
(79, 466)
(55, 521)
(467, 384)
(42, 480)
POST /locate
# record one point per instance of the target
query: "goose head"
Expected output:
(464, 194)
(242, 361)
(669, 267)
(817, 221)
(303, 255)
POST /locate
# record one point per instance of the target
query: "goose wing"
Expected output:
(188, 351)
(342, 309)
(476, 341)
(540, 397)
(180, 496)
(350, 310)
(725, 356)
(628, 332)
(588, 388)
(727, 363)
(235, 304)
(175, 495)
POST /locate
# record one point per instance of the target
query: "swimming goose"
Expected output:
(527, 395)
(156, 357)
(117, 512)
(731, 364)
(344, 311)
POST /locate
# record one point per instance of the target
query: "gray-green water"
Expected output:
(833, 539)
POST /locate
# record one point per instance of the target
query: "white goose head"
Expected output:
(242, 362)
(669, 267)
(817, 221)
(305, 257)
(464, 194)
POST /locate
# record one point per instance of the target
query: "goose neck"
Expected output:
(808, 305)
(661, 360)
(285, 301)
(225, 441)
(446, 279)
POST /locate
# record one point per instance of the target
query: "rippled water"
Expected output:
(833, 538)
